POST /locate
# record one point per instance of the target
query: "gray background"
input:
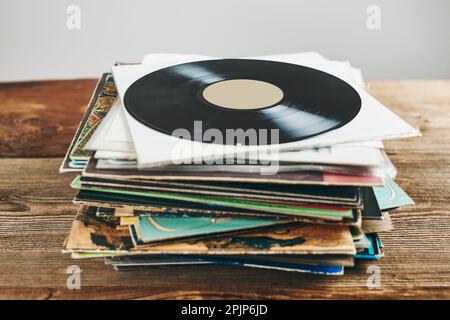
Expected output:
(413, 42)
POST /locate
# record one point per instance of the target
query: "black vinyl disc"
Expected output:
(310, 102)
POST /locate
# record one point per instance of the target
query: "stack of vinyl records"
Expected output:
(272, 162)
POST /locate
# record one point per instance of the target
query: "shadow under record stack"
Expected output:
(302, 185)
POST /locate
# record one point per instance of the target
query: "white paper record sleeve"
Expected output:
(373, 122)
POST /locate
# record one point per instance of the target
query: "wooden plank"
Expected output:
(36, 212)
(39, 118)
(35, 218)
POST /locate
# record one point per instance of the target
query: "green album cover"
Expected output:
(391, 196)
(152, 229)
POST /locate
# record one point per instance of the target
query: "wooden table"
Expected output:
(37, 121)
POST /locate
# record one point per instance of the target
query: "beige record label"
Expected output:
(242, 94)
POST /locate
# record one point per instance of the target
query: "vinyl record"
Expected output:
(232, 94)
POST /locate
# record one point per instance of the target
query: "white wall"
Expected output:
(35, 43)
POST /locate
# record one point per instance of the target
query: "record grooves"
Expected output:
(312, 102)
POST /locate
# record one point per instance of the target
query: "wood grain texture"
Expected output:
(36, 212)
(39, 118)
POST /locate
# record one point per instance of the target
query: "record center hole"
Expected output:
(242, 94)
